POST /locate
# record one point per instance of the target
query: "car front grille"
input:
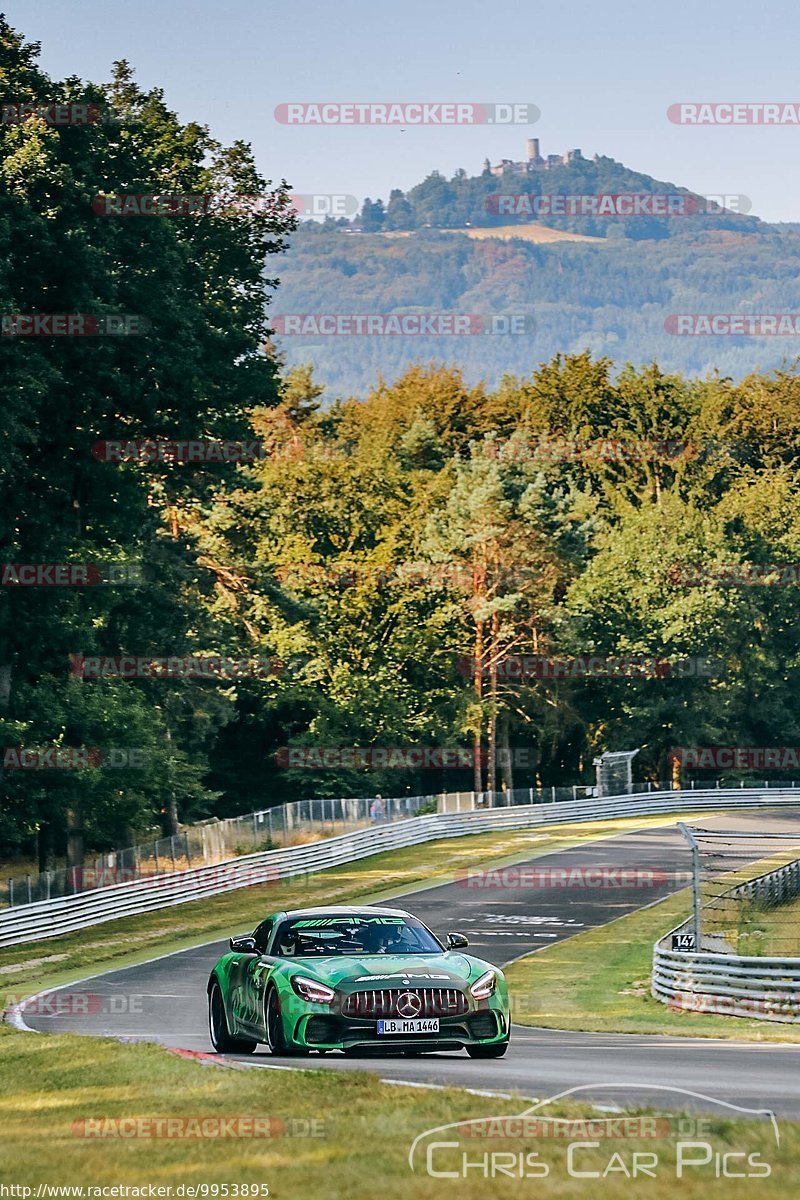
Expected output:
(434, 1002)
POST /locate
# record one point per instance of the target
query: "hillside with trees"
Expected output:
(474, 200)
(417, 253)
(612, 298)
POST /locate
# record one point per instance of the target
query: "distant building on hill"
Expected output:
(533, 162)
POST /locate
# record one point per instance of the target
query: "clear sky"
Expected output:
(602, 75)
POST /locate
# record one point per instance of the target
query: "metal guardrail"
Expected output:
(218, 841)
(727, 984)
(773, 888)
(297, 821)
(48, 918)
(733, 985)
(208, 842)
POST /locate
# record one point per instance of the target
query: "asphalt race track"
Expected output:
(164, 1000)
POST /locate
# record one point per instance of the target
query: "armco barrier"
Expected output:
(780, 886)
(48, 918)
(727, 984)
(733, 985)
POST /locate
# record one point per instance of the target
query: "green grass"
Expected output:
(33, 966)
(747, 925)
(757, 931)
(599, 981)
(51, 1085)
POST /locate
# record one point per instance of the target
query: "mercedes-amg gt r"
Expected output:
(355, 979)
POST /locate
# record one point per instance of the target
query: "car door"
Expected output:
(238, 969)
(254, 980)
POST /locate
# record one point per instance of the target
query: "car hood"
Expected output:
(372, 971)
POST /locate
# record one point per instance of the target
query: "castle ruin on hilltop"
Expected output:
(533, 162)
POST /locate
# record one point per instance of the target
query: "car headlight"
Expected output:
(311, 990)
(484, 987)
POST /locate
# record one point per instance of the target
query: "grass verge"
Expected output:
(56, 1089)
(599, 981)
(766, 932)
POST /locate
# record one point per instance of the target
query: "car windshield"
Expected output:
(353, 934)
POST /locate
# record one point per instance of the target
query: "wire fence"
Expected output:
(215, 841)
(746, 888)
(291, 824)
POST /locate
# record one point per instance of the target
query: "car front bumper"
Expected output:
(333, 1031)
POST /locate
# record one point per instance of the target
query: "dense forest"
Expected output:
(613, 298)
(388, 557)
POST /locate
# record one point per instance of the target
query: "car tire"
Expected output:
(278, 1043)
(221, 1038)
(496, 1050)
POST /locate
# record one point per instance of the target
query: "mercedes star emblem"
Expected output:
(409, 1004)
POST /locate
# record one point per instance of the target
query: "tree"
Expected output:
(372, 216)
(199, 282)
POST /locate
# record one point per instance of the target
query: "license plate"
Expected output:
(412, 1025)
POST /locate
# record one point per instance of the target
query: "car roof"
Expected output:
(333, 910)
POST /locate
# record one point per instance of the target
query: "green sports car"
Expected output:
(355, 979)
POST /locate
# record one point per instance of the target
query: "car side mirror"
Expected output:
(457, 941)
(244, 945)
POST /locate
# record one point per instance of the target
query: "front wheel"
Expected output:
(494, 1051)
(279, 1044)
(221, 1038)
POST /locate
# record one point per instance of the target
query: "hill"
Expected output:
(597, 197)
(613, 295)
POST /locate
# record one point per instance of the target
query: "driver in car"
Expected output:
(288, 943)
(379, 939)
